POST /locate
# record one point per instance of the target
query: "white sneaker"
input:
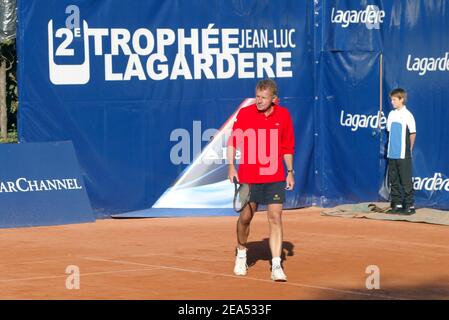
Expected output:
(240, 266)
(277, 274)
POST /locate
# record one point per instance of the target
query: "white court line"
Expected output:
(326, 235)
(247, 278)
(32, 262)
(374, 239)
(81, 275)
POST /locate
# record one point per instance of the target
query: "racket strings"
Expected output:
(242, 196)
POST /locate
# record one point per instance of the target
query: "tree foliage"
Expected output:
(8, 55)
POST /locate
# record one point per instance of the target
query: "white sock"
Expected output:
(276, 262)
(241, 253)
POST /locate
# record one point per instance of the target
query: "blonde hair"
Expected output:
(268, 84)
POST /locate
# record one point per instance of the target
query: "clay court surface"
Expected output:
(192, 258)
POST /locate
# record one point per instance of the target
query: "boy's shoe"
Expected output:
(397, 209)
(277, 274)
(408, 211)
(240, 268)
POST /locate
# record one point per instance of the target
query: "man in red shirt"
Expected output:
(264, 134)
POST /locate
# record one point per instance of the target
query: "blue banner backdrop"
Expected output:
(40, 185)
(119, 78)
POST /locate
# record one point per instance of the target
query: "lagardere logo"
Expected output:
(208, 52)
(25, 185)
(372, 17)
(428, 64)
(435, 183)
(356, 121)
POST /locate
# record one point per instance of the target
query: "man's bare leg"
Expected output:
(243, 225)
(276, 234)
(276, 238)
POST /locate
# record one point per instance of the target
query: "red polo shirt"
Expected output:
(263, 141)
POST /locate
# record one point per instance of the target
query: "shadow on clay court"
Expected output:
(260, 250)
(436, 289)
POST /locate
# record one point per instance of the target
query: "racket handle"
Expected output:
(235, 180)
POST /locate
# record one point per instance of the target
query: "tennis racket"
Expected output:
(241, 195)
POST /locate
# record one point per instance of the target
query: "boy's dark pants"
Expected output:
(400, 179)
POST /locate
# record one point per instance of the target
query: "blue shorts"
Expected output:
(267, 193)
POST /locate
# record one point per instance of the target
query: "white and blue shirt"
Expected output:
(400, 124)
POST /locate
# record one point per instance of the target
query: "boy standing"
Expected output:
(402, 128)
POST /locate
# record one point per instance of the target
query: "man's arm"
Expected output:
(230, 156)
(288, 148)
(290, 180)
